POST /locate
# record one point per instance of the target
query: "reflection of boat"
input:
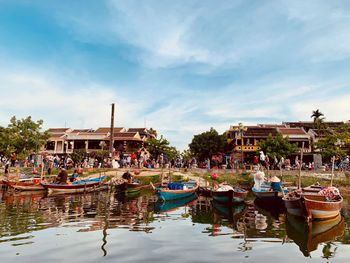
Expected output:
(167, 206)
(308, 235)
(177, 190)
(231, 213)
(232, 195)
(274, 206)
(85, 185)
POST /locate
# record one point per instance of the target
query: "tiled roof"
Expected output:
(272, 125)
(108, 129)
(57, 130)
(292, 131)
(81, 130)
(143, 130)
(125, 134)
(126, 139)
(260, 132)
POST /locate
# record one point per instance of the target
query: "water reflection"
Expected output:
(245, 226)
(309, 235)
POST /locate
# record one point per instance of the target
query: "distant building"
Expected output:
(243, 141)
(65, 140)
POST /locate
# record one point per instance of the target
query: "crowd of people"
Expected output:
(142, 159)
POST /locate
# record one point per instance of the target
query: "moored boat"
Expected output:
(85, 185)
(321, 207)
(226, 194)
(294, 203)
(176, 190)
(28, 184)
(267, 190)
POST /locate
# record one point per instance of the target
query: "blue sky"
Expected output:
(181, 66)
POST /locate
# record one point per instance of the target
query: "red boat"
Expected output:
(30, 184)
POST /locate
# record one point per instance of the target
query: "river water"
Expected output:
(108, 227)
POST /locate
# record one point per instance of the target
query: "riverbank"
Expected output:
(242, 178)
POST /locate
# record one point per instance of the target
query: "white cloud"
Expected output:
(43, 96)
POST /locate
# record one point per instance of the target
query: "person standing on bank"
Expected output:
(13, 158)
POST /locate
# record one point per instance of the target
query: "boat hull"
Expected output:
(79, 187)
(25, 186)
(167, 194)
(321, 210)
(230, 196)
(294, 207)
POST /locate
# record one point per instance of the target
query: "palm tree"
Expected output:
(318, 121)
(316, 114)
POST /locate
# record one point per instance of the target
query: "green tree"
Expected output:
(334, 143)
(277, 147)
(318, 121)
(23, 136)
(206, 144)
(5, 145)
(186, 155)
(160, 146)
(78, 155)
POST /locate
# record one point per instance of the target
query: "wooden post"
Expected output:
(111, 132)
(301, 164)
(332, 175)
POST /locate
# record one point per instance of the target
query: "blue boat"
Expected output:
(176, 190)
(266, 191)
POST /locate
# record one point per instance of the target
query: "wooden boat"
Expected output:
(131, 187)
(322, 209)
(27, 184)
(229, 197)
(85, 185)
(294, 203)
(266, 192)
(307, 235)
(176, 190)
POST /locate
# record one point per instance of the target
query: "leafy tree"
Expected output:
(171, 152)
(78, 155)
(23, 136)
(206, 144)
(186, 155)
(334, 142)
(328, 146)
(277, 147)
(160, 146)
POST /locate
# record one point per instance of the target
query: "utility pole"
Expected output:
(111, 133)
